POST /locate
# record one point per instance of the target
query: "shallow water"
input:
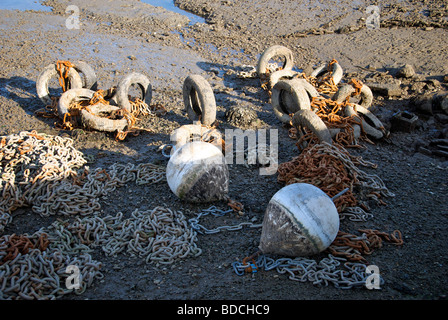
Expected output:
(36, 5)
(169, 5)
(23, 5)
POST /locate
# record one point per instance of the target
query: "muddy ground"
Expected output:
(117, 37)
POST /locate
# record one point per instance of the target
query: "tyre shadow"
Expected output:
(23, 91)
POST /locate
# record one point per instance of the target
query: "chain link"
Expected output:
(194, 222)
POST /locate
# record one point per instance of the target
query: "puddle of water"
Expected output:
(23, 5)
(169, 5)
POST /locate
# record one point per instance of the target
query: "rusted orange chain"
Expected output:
(21, 244)
(63, 68)
(34, 134)
(323, 171)
(354, 247)
(235, 205)
(98, 97)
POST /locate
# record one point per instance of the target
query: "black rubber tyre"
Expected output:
(311, 121)
(336, 72)
(49, 72)
(370, 124)
(289, 96)
(271, 52)
(93, 120)
(88, 75)
(122, 94)
(199, 100)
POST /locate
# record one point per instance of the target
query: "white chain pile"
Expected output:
(42, 171)
(330, 270)
(46, 172)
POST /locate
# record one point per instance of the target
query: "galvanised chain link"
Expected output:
(214, 211)
(339, 271)
(330, 270)
(46, 172)
(41, 274)
(160, 235)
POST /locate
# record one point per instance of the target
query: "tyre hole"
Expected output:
(194, 101)
(136, 90)
(282, 101)
(276, 63)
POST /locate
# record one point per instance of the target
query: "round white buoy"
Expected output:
(197, 172)
(300, 220)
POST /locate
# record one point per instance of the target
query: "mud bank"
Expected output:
(118, 37)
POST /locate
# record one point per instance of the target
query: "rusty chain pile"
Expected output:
(332, 169)
(46, 172)
(354, 248)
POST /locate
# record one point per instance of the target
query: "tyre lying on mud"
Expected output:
(290, 96)
(199, 100)
(51, 71)
(124, 85)
(98, 116)
(333, 68)
(269, 54)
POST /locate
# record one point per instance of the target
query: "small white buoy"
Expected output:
(197, 172)
(300, 220)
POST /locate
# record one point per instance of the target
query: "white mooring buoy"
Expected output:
(197, 172)
(300, 220)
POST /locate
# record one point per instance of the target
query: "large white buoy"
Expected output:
(197, 172)
(300, 220)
